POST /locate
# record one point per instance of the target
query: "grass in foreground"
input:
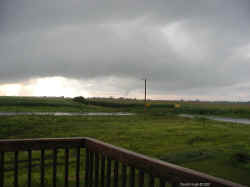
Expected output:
(210, 147)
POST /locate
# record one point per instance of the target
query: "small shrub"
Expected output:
(241, 160)
(189, 156)
(196, 139)
(242, 157)
(80, 99)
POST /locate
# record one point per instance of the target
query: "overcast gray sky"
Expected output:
(195, 49)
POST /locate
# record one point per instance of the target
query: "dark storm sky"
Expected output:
(194, 47)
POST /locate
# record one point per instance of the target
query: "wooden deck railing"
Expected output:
(92, 163)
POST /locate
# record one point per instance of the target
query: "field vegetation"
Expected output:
(217, 148)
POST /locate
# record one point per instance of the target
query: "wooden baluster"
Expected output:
(42, 168)
(54, 166)
(91, 169)
(103, 171)
(2, 169)
(16, 170)
(109, 172)
(29, 167)
(124, 175)
(162, 183)
(96, 170)
(87, 168)
(175, 184)
(151, 181)
(66, 175)
(116, 174)
(78, 166)
(141, 179)
(132, 176)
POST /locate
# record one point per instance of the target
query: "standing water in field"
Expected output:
(225, 119)
(66, 113)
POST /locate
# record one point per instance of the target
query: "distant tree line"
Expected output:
(116, 103)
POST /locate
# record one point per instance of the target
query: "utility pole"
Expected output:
(145, 98)
(145, 93)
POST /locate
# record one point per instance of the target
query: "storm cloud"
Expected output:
(183, 47)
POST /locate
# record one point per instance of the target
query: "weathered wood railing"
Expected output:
(103, 165)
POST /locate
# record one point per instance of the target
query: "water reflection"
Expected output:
(225, 119)
(66, 113)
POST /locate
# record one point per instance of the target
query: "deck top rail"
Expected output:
(98, 164)
(11, 145)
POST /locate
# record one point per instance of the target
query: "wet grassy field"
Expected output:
(217, 148)
(60, 104)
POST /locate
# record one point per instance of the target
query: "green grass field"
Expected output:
(204, 145)
(45, 104)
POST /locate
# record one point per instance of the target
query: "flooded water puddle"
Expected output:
(225, 119)
(66, 113)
